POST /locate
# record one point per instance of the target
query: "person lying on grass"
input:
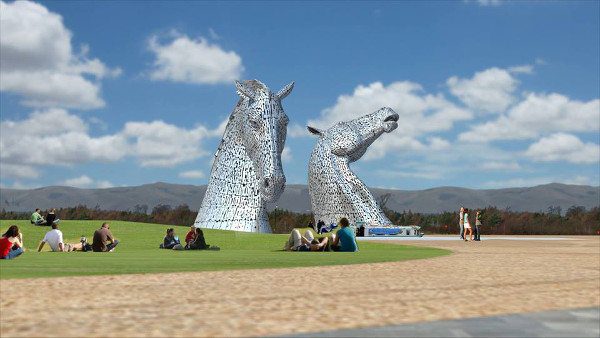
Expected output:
(103, 239)
(54, 238)
(344, 239)
(296, 242)
(199, 243)
(171, 241)
(11, 243)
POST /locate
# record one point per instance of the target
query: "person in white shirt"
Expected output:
(54, 238)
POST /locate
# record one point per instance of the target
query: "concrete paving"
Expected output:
(563, 323)
(457, 238)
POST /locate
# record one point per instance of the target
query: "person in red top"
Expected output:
(11, 243)
(191, 235)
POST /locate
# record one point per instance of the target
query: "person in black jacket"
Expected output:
(51, 217)
(199, 243)
(171, 241)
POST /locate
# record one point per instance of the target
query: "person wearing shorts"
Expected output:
(54, 238)
(297, 242)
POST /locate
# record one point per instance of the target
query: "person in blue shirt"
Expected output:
(344, 240)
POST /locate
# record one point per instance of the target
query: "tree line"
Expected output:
(577, 220)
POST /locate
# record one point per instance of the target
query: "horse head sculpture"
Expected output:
(335, 191)
(247, 170)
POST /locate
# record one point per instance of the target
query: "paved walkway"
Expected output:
(563, 323)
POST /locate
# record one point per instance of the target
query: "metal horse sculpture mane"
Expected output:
(335, 191)
(247, 171)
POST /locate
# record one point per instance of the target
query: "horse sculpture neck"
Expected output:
(233, 200)
(335, 191)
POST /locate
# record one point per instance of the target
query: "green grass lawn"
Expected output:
(138, 252)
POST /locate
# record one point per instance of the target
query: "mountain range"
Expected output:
(296, 197)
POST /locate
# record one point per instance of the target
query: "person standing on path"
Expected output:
(467, 226)
(478, 225)
(460, 223)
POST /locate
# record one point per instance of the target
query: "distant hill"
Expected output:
(295, 197)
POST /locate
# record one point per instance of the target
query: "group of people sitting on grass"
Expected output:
(194, 240)
(38, 219)
(343, 240)
(11, 242)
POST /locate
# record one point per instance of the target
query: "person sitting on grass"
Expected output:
(190, 236)
(103, 239)
(199, 243)
(171, 241)
(296, 242)
(11, 243)
(37, 219)
(54, 238)
(344, 239)
(51, 217)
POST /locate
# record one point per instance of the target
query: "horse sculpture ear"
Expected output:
(242, 90)
(314, 131)
(285, 91)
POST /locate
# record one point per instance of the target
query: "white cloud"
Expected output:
(533, 181)
(500, 165)
(419, 114)
(537, 114)
(522, 69)
(57, 137)
(489, 2)
(18, 171)
(104, 184)
(489, 90)
(188, 60)
(161, 144)
(192, 174)
(286, 154)
(563, 147)
(296, 130)
(38, 63)
(29, 143)
(82, 181)
(437, 143)
(85, 181)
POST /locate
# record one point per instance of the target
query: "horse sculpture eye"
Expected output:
(254, 124)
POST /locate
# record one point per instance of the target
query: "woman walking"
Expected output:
(460, 222)
(467, 226)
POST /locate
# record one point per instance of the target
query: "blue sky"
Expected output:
(490, 94)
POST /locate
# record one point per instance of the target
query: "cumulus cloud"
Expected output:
(563, 147)
(419, 113)
(188, 60)
(286, 154)
(164, 145)
(38, 62)
(537, 114)
(490, 90)
(85, 181)
(500, 165)
(192, 174)
(27, 145)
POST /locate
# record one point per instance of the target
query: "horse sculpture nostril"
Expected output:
(266, 182)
